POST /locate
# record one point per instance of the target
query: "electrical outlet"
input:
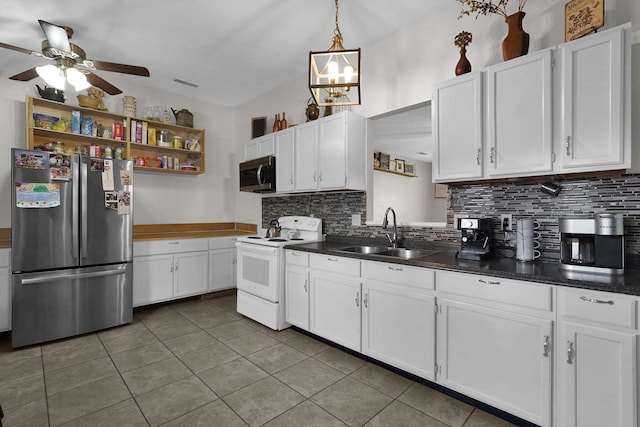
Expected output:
(506, 222)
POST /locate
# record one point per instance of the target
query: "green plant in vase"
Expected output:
(517, 41)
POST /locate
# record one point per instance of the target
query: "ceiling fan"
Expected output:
(69, 60)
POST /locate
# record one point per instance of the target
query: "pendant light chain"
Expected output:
(337, 30)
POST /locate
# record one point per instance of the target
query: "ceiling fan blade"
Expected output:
(101, 83)
(20, 49)
(25, 76)
(117, 68)
(56, 35)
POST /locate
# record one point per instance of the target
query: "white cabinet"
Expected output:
(488, 350)
(519, 117)
(5, 290)
(335, 299)
(342, 152)
(305, 163)
(285, 167)
(457, 129)
(596, 102)
(260, 147)
(297, 288)
(325, 154)
(541, 116)
(398, 316)
(168, 269)
(597, 359)
(222, 263)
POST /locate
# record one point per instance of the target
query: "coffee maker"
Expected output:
(593, 245)
(476, 238)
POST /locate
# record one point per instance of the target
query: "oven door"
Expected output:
(259, 270)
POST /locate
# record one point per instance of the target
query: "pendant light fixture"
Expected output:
(334, 74)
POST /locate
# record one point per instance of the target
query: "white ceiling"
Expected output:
(234, 50)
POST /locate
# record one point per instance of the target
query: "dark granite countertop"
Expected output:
(536, 271)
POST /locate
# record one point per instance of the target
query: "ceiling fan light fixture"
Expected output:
(52, 75)
(77, 79)
(334, 74)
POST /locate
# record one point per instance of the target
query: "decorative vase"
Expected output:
(517, 41)
(463, 66)
(276, 123)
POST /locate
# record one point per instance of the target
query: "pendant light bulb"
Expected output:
(332, 70)
(77, 79)
(348, 73)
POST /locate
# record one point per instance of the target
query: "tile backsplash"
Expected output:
(581, 196)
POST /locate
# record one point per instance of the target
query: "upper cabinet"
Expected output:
(260, 147)
(560, 110)
(326, 154)
(596, 102)
(153, 145)
(519, 127)
(457, 129)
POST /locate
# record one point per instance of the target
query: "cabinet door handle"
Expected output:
(171, 268)
(567, 145)
(357, 299)
(491, 154)
(478, 156)
(596, 301)
(395, 268)
(314, 177)
(570, 352)
(488, 282)
(545, 346)
(366, 302)
(294, 253)
(306, 289)
(177, 266)
(332, 259)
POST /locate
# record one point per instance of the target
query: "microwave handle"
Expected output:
(259, 175)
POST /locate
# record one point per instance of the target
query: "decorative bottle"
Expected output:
(283, 122)
(276, 123)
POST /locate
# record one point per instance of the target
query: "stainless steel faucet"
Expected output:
(385, 222)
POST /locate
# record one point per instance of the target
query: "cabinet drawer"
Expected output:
(401, 274)
(598, 307)
(169, 246)
(5, 257)
(335, 264)
(495, 289)
(297, 258)
(222, 242)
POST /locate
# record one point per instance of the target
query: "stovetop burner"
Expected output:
(255, 237)
(297, 238)
(277, 240)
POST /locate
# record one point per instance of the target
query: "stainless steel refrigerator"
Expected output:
(72, 249)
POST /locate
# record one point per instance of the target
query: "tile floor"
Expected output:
(199, 363)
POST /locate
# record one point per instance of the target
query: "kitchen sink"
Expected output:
(365, 249)
(403, 253)
(407, 253)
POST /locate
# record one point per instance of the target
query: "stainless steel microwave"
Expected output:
(258, 175)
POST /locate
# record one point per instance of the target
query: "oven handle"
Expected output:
(256, 249)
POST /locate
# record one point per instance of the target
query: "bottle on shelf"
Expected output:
(283, 122)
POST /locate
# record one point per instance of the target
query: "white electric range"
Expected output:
(261, 269)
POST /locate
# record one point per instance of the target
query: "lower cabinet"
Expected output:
(335, 308)
(489, 350)
(222, 263)
(164, 270)
(597, 359)
(5, 290)
(398, 317)
(296, 289)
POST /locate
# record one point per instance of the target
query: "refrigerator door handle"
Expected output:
(55, 277)
(74, 211)
(83, 244)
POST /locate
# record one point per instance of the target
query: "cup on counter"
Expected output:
(527, 240)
